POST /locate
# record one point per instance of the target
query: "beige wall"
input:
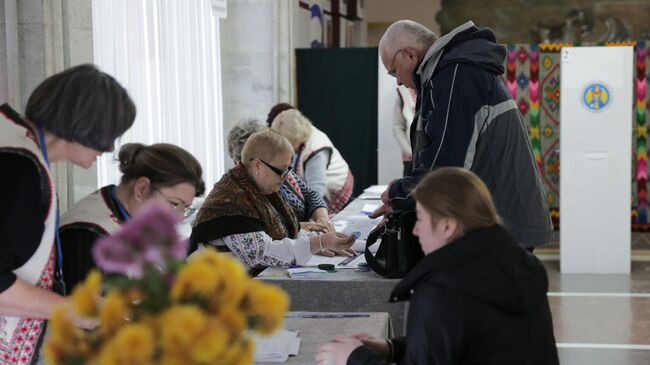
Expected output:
(379, 14)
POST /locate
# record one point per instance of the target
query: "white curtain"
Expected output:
(166, 53)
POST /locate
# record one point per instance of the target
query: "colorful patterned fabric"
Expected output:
(338, 199)
(533, 78)
(235, 205)
(300, 197)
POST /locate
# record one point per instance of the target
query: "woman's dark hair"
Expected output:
(277, 109)
(84, 105)
(163, 164)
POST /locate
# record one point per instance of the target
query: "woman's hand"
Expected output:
(378, 344)
(336, 241)
(326, 222)
(315, 227)
(337, 351)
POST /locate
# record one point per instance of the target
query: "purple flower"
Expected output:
(149, 238)
(114, 256)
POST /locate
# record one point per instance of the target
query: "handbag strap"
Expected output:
(372, 262)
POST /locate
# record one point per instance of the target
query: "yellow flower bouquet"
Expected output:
(153, 308)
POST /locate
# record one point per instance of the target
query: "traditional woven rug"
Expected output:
(533, 78)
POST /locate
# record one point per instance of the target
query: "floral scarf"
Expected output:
(236, 205)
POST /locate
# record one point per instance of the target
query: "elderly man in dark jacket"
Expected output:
(465, 117)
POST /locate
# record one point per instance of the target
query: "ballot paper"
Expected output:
(376, 189)
(369, 208)
(276, 348)
(305, 272)
(356, 223)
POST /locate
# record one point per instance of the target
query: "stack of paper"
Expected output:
(375, 189)
(306, 272)
(369, 208)
(276, 348)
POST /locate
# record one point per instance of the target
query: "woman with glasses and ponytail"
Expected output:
(246, 215)
(74, 116)
(159, 172)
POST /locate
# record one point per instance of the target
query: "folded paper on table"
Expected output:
(369, 208)
(375, 189)
(277, 347)
(306, 272)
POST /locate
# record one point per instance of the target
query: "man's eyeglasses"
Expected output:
(187, 209)
(280, 173)
(393, 71)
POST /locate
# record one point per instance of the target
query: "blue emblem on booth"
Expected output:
(596, 96)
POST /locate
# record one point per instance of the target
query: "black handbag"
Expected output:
(399, 251)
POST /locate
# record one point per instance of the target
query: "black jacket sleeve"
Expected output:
(365, 356)
(21, 214)
(435, 330)
(449, 105)
(76, 245)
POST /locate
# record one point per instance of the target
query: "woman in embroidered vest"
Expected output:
(477, 297)
(72, 116)
(316, 160)
(161, 172)
(245, 214)
(309, 206)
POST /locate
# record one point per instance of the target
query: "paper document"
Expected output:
(376, 189)
(318, 259)
(352, 223)
(305, 272)
(369, 208)
(277, 347)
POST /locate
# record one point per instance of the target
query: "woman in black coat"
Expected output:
(477, 297)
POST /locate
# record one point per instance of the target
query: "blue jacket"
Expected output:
(467, 118)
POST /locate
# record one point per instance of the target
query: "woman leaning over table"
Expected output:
(159, 172)
(74, 116)
(308, 205)
(244, 213)
(316, 159)
(477, 297)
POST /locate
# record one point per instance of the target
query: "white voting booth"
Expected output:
(595, 159)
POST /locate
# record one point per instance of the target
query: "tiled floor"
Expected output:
(601, 319)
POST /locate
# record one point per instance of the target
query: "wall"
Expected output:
(52, 35)
(381, 13)
(248, 53)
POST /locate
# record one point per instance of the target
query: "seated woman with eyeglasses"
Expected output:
(309, 206)
(246, 215)
(159, 172)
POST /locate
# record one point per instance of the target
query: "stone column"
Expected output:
(41, 38)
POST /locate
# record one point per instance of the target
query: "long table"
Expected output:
(346, 290)
(314, 332)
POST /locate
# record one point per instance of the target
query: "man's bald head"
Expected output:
(402, 48)
(403, 34)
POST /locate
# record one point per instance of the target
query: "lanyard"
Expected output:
(119, 205)
(59, 254)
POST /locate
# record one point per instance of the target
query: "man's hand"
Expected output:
(383, 210)
(384, 196)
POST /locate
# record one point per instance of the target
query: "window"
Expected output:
(167, 54)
